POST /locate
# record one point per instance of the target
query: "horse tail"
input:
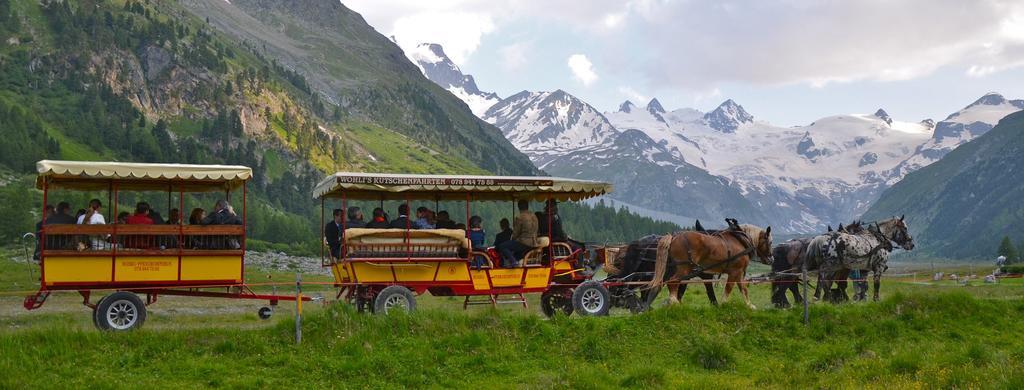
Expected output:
(661, 261)
(812, 251)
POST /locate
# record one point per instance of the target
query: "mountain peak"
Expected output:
(654, 107)
(440, 69)
(989, 99)
(881, 114)
(627, 106)
(728, 117)
(430, 53)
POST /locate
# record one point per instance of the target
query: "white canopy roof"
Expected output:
(140, 176)
(455, 187)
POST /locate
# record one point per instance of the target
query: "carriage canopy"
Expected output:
(385, 186)
(88, 175)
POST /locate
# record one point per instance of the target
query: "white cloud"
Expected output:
(582, 69)
(514, 56)
(633, 95)
(818, 43)
(700, 44)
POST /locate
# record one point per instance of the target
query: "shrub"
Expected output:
(1014, 269)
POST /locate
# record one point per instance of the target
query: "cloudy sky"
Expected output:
(786, 61)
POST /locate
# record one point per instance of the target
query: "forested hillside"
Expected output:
(964, 204)
(156, 81)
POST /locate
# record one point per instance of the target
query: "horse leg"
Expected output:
(673, 293)
(745, 289)
(878, 283)
(791, 285)
(709, 287)
(729, 283)
(682, 291)
(820, 286)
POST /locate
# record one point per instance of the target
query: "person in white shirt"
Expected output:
(93, 216)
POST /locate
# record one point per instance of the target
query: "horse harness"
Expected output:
(748, 248)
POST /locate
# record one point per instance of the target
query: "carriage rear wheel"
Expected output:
(555, 301)
(591, 299)
(119, 312)
(394, 299)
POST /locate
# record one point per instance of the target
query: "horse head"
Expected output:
(761, 239)
(895, 229)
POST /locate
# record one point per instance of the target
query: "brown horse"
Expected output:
(723, 252)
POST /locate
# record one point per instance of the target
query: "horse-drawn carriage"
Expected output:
(128, 260)
(385, 269)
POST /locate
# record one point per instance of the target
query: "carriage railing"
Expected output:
(409, 250)
(142, 239)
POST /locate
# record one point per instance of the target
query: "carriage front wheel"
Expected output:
(120, 311)
(591, 298)
(394, 298)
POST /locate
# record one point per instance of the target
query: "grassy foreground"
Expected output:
(947, 339)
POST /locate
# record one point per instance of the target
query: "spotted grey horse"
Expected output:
(867, 250)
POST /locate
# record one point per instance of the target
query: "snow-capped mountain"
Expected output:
(962, 126)
(728, 117)
(441, 70)
(546, 124)
(566, 136)
(722, 163)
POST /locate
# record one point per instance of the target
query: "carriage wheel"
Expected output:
(554, 301)
(394, 299)
(591, 299)
(119, 312)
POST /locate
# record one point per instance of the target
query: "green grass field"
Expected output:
(922, 334)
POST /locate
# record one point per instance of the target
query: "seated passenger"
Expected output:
(477, 238)
(333, 232)
(444, 221)
(92, 215)
(174, 217)
(48, 210)
(524, 237)
(223, 214)
(402, 222)
(551, 212)
(379, 221)
(355, 218)
(460, 226)
(477, 235)
(122, 217)
(424, 218)
(196, 216)
(505, 234)
(141, 216)
(63, 216)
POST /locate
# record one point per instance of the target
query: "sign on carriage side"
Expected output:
(440, 181)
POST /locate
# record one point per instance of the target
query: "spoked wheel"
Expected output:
(591, 299)
(555, 301)
(393, 299)
(119, 312)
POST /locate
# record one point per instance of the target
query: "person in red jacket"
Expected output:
(141, 217)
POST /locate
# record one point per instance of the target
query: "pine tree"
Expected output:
(1006, 249)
